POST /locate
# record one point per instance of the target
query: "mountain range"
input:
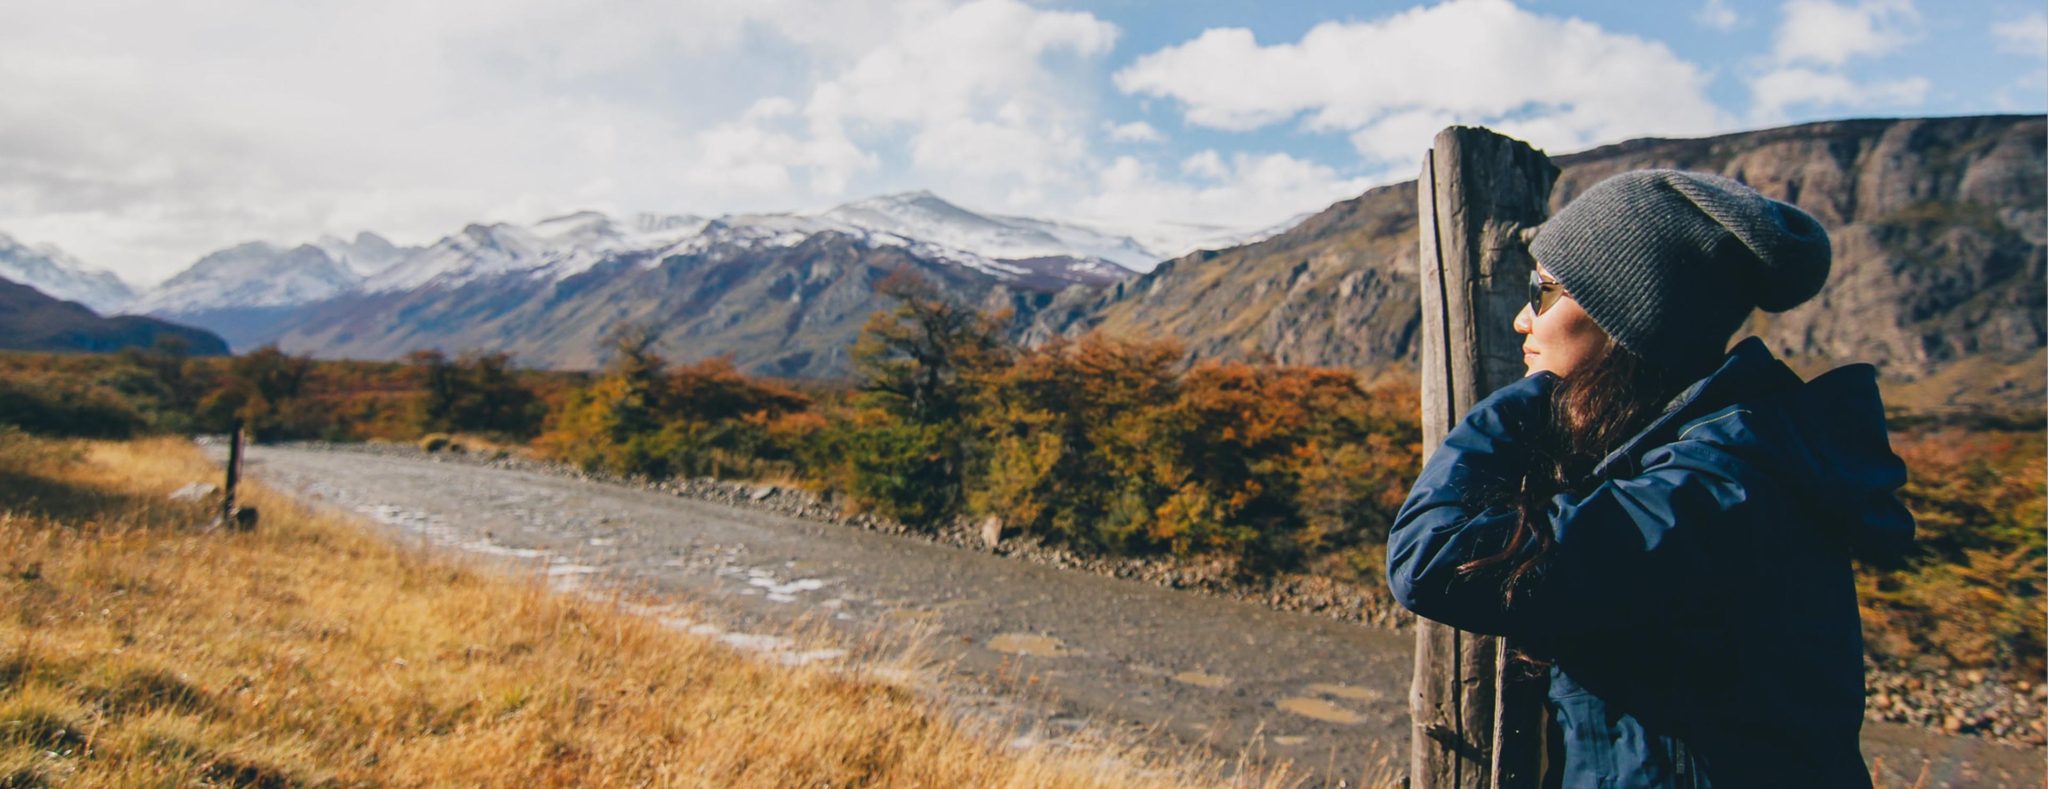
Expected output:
(1938, 225)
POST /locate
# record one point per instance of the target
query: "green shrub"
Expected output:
(59, 406)
(904, 471)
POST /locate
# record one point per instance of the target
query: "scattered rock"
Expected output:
(197, 491)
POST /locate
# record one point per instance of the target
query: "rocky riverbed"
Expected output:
(1970, 703)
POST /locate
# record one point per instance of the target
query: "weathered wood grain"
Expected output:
(1477, 192)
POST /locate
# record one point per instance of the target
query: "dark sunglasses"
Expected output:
(1543, 292)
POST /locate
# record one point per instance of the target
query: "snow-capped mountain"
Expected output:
(1008, 248)
(924, 216)
(553, 248)
(548, 288)
(56, 273)
(366, 254)
(255, 274)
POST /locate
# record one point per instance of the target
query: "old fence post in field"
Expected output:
(232, 514)
(1476, 724)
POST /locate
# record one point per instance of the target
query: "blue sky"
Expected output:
(139, 136)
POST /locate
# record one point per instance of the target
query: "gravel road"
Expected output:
(1059, 650)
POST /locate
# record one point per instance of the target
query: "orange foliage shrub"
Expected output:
(1100, 442)
(642, 418)
(1971, 595)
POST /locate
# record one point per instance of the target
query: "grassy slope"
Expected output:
(136, 649)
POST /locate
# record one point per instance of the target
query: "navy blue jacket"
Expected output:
(1699, 607)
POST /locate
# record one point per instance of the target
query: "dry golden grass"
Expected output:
(136, 648)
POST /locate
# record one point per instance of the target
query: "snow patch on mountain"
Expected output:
(255, 274)
(552, 248)
(56, 273)
(366, 254)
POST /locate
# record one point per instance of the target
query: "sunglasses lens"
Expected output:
(1542, 294)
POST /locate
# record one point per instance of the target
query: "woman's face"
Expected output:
(1563, 339)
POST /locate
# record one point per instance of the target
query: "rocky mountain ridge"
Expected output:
(1938, 226)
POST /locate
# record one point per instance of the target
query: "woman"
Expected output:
(1665, 525)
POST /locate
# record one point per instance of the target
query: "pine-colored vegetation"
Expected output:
(1105, 444)
(138, 649)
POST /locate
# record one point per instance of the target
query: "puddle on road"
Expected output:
(1347, 692)
(777, 590)
(1029, 644)
(1320, 710)
(781, 649)
(1201, 680)
(773, 586)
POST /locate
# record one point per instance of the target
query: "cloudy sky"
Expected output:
(140, 135)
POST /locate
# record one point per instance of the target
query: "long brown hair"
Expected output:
(1591, 413)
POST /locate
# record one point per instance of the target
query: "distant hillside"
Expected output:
(32, 321)
(1940, 249)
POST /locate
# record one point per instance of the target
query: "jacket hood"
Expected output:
(1825, 439)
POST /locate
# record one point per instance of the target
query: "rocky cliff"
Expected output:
(1940, 227)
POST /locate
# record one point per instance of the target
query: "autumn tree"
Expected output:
(919, 367)
(264, 391)
(1064, 431)
(478, 392)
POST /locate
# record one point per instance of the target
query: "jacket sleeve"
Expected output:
(1626, 551)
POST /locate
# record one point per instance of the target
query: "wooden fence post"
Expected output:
(1475, 724)
(232, 514)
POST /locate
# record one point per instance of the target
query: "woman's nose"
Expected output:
(1525, 321)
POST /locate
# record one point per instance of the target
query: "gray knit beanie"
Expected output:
(1669, 263)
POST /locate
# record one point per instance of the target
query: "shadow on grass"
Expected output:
(25, 493)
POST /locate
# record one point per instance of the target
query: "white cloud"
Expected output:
(1207, 165)
(1831, 33)
(1242, 190)
(1816, 40)
(1135, 131)
(758, 155)
(1780, 89)
(1384, 81)
(1717, 15)
(976, 88)
(2027, 35)
(142, 136)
